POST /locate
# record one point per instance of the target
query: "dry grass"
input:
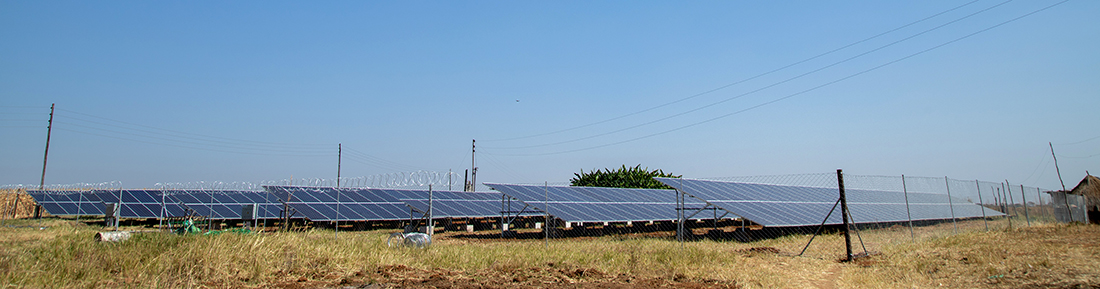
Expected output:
(62, 253)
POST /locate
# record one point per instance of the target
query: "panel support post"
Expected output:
(844, 216)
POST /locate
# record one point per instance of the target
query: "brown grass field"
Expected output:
(55, 252)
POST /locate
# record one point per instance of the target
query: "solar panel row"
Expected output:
(147, 203)
(227, 205)
(364, 204)
(597, 204)
(781, 206)
(142, 203)
(68, 203)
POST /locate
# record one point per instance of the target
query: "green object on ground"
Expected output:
(188, 228)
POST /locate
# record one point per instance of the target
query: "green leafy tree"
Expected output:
(624, 177)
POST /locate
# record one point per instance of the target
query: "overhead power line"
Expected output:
(762, 88)
(754, 76)
(181, 134)
(195, 147)
(806, 90)
(1079, 142)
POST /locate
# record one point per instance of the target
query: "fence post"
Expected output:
(844, 215)
(1027, 216)
(908, 214)
(951, 204)
(1039, 193)
(981, 203)
(1011, 201)
(1005, 199)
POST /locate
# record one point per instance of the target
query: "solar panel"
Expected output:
(226, 205)
(355, 204)
(452, 204)
(142, 203)
(597, 204)
(68, 203)
(786, 206)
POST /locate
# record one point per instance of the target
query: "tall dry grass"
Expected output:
(62, 253)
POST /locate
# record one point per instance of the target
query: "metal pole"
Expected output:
(431, 214)
(336, 225)
(844, 215)
(1039, 193)
(546, 219)
(951, 204)
(1027, 216)
(905, 191)
(1011, 201)
(680, 214)
(118, 210)
(818, 227)
(339, 159)
(984, 219)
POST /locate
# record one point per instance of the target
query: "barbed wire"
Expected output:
(66, 187)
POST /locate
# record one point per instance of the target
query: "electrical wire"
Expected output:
(186, 141)
(190, 147)
(179, 133)
(1078, 142)
(380, 162)
(746, 79)
(803, 91)
(762, 88)
(1073, 157)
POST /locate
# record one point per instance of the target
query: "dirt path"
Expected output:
(829, 280)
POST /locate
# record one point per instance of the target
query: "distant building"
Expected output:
(1090, 188)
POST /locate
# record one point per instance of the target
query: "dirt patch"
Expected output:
(400, 276)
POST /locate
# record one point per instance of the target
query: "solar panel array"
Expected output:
(786, 206)
(68, 203)
(597, 204)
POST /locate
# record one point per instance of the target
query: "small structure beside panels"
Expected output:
(795, 206)
(596, 204)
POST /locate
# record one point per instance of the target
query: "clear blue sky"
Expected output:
(171, 91)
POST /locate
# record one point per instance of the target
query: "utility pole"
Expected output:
(45, 157)
(1056, 169)
(339, 158)
(1065, 194)
(473, 165)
